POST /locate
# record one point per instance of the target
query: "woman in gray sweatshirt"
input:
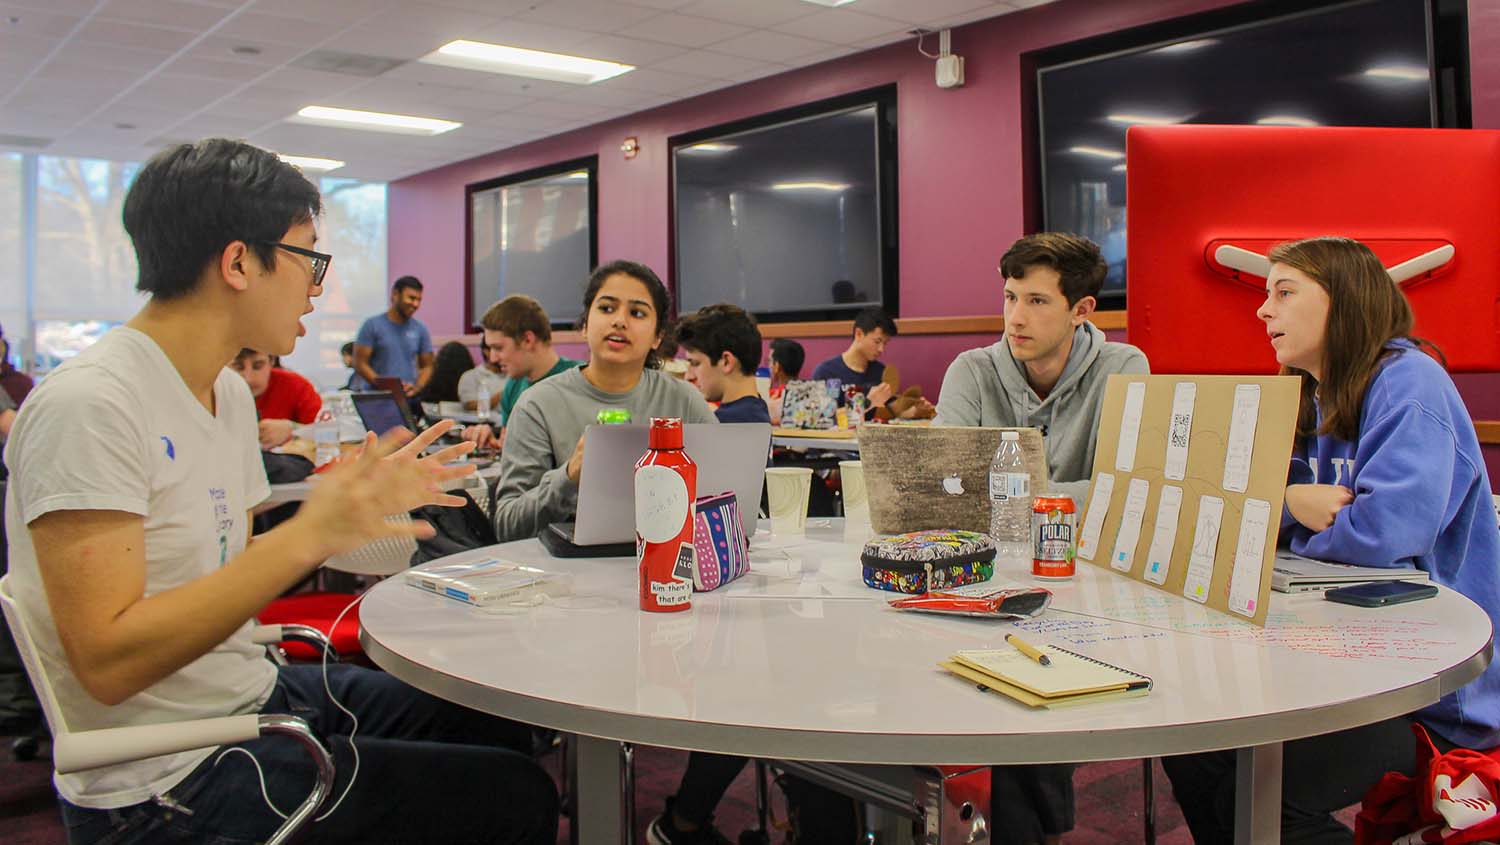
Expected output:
(625, 310)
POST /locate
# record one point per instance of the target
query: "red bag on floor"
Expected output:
(1452, 799)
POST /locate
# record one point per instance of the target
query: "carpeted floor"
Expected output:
(1109, 801)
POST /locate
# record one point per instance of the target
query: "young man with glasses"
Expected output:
(134, 471)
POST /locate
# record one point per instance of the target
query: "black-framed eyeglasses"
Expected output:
(320, 260)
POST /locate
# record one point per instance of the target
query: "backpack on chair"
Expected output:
(458, 529)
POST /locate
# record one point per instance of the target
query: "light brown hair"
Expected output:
(516, 315)
(1366, 311)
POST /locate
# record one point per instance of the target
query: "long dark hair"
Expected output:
(660, 299)
(452, 361)
(1366, 311)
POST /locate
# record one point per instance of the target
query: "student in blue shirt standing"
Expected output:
(1386, 472)
(395, 343)
(723, 351)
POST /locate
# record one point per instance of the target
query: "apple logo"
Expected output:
(953, 485)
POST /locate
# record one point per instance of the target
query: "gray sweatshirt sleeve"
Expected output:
(958, 401)
(532, 491)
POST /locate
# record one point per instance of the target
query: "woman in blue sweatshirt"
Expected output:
(1386, 472)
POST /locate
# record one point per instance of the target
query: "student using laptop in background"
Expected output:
(1386, 471)
(518, 333)
(723, 351)
(1047, 372)
(128, 514)
(625, 308)
(860, 366)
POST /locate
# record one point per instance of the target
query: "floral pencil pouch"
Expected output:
(919, 561)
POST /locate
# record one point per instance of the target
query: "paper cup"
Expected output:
(856, 501)
(787, 489)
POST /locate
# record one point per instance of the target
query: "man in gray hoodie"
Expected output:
(1049, 370)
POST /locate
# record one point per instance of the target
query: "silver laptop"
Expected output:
(1296, 574)
(921, 477)
(730, 456)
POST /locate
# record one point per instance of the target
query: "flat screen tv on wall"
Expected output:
(532, 233)
(790, 215)
(1367, 63)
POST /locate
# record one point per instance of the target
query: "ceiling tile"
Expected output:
(375, 39)
(841, 26)
(761, 13)
(201, 126)
(453, 77)
(29, 47)
(312, 84)
(616, 48)
(76, 74)
(769, 46)
(981, 14)
(283, 30)
(271, 54)
(339, 12)
(654, 81)
(496, 8)
(99, 31)
(121, 59)
(684, 30)
(210, 69)
(556, 108)
(926, 12)
(519, 86)
(169, 13)
(37, 23)
(708, 63)
(514, 120)
(588, 15)
(79, 8)
(617, 97)
(532, 36)
(1027, 4)
(430, 18)
(664, 5)
(828, 55)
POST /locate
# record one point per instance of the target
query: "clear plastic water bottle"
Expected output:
(325, 436)
(1010, 500)
(482, 401)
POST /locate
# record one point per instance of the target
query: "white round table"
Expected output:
(799, 660)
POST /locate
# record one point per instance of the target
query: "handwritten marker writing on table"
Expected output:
(1028, 649)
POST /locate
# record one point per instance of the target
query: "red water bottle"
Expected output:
(666, 483)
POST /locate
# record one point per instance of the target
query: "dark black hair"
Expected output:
(347, 349)
(872, 318)
(406, 282)
(191, 201)
(660, 299)
(452, 361)
(721, 328)
(789, 354)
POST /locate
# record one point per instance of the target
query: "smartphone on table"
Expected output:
(1381, 593)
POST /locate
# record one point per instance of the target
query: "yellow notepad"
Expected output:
(1070, 679)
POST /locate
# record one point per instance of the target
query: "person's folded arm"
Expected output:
(533, 488)
(1408, 468)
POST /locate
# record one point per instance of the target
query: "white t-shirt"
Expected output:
(116, 428)
(468, 384)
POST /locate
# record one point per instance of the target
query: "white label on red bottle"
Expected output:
(661, 504)
(670, 593)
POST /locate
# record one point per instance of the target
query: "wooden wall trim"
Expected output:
(992, 324)
(1489, 432)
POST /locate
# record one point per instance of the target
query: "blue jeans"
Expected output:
(429, 771)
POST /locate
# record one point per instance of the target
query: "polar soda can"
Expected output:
(1054, 524)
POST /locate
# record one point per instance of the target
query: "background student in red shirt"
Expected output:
(283, 399)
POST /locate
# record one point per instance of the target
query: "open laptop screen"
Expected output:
(380, 411)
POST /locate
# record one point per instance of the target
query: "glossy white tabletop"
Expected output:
(800, 660)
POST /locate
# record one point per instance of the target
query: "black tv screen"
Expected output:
(532, 233)
(1358, 64)
(791, 216)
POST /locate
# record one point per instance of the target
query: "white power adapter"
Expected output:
(950, 71)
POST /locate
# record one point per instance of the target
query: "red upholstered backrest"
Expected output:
(1404, 192)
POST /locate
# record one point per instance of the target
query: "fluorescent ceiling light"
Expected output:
(1405, 73)
(710, 147)
(1143, 119)
(1186, 46)
(378, 121)
(517, 61)
(311, 162)
(1286, 120)
(1096, 152)
(1119, 168)
(833, 3)
(810, 186)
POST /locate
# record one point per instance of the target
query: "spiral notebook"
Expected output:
(1071, 679)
